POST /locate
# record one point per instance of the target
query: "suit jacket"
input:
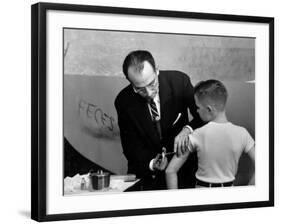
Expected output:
(139, 137)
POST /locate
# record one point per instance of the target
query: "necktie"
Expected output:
(154, 111)
(155, 117)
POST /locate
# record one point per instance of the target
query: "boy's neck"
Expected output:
(220, 118)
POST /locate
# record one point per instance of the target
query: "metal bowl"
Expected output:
(99, 180)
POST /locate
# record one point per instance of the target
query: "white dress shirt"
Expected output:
(157, 102)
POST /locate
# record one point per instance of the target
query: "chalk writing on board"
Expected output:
(104, 126)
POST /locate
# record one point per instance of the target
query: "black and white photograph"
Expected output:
(153, 111)
(142, 112)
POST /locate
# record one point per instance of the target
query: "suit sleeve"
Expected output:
(196, 122)
(134, 149)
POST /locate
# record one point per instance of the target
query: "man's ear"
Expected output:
(209, 108)
(157, 70)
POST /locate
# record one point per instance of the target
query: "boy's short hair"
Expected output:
(213, 91)
(137, 58)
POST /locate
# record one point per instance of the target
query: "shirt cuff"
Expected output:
(151, 165)
(188, 127)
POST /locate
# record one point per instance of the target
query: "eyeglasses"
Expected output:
(151, 85)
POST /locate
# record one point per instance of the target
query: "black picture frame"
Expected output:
(39, 120)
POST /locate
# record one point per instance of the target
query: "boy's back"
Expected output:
(219, 144)
(219, 147)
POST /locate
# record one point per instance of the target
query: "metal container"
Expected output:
(99, 180)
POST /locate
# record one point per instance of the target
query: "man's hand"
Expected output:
(181, 142)
(160, 162)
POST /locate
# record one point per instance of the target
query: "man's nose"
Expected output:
(148, 91)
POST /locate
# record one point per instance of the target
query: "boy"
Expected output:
(219, 144)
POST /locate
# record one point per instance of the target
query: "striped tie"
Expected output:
(154, 111)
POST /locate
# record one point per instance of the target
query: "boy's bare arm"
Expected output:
(172, 169)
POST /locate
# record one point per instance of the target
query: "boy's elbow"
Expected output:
(170, 170)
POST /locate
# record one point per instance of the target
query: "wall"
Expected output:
(93, 77)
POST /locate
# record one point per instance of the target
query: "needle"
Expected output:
(164, 153)
(169, 153)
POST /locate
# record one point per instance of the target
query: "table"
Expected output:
(118, 183)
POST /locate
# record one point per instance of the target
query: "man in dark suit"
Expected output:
(152, 114)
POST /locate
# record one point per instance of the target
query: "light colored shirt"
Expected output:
(157, 102)
(219, 147)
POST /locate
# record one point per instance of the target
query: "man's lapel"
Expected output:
(166, 104)
(140, 112)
